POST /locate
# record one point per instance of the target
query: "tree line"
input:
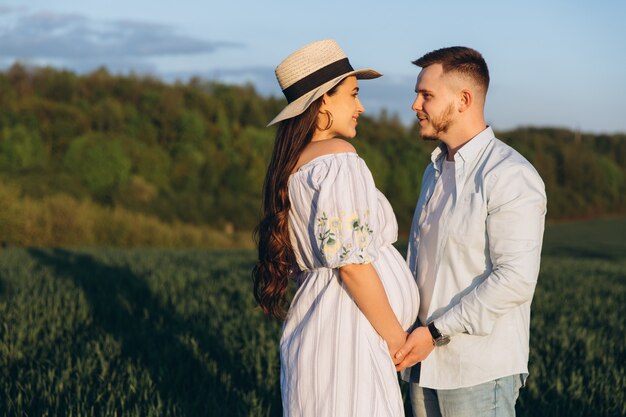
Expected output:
(195, 152)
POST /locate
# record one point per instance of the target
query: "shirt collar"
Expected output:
(468, 152)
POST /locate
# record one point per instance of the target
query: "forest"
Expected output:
(129, 160)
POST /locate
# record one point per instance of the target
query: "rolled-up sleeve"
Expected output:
(516, 209)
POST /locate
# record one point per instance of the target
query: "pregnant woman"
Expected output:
(328, 228)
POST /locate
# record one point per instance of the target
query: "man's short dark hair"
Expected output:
(460, 59)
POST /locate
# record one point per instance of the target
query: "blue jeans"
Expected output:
(491, 399)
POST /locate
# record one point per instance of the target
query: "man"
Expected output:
(474, 248)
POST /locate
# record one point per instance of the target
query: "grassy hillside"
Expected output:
(593, 239)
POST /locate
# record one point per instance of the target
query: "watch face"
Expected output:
(442, 341)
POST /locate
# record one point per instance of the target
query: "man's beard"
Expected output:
(440, 124)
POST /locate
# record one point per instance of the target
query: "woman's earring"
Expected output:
(330, 119)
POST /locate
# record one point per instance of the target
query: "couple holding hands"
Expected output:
(454, 316)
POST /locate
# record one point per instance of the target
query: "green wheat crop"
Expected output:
(149, 332)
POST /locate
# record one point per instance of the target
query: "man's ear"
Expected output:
(466, 99)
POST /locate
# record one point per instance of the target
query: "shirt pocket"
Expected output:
(469, 219)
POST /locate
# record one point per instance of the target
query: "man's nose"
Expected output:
(417, 104)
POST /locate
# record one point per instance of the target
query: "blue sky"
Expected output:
(554, 63)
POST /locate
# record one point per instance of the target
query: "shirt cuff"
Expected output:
(450, 323)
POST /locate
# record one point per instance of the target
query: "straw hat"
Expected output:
(305, 75)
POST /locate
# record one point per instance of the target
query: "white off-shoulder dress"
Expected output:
(333, 362)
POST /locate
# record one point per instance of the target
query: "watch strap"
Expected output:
(434, 332)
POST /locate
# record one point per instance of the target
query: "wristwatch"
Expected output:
(438, 338)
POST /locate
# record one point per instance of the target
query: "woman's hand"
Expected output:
(394, 346)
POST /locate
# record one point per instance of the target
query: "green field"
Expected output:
(149, 332)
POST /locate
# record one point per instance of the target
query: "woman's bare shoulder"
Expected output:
(329, 146)
(323, 147)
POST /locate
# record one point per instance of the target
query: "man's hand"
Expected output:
(418, 346)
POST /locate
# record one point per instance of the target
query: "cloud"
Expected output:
(82, 42)
(11, 9)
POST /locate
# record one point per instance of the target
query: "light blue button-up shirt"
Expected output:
(486, 263)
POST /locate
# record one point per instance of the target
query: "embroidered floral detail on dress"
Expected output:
(330, 233)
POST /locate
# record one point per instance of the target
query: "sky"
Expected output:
(552, 63)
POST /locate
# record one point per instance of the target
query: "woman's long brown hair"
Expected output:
(276, 257)
(277, 262)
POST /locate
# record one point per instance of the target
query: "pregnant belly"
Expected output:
(399, 284)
